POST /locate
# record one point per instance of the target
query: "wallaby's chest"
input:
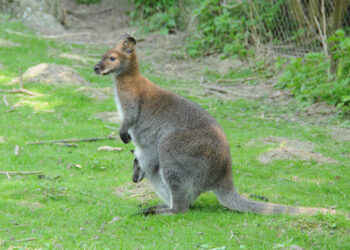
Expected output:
(118, 102)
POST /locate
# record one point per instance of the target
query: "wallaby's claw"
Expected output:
(126, 138)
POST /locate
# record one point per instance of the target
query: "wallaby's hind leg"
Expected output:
(178, 202)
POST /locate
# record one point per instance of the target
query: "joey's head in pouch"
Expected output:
(138, 174)
(118, 59)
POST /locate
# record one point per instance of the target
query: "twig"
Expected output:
(18, 33)
(28, 239)
(237, 80)
(18, 173)
(67, 144)
(8, 176)
(74, 140)
(67, 35)
(24, 91)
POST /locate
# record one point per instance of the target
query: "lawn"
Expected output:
(75, 206)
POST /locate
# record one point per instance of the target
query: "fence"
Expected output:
(294, 27)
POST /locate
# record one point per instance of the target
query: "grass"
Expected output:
(75, 209)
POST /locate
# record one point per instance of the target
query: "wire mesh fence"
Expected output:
(294, 27)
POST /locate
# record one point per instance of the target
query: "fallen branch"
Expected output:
(67, 35)
(74, 140)
(237, 80)
(18, 33)
(22, 90)
(28, 239)
(8, 173)
(89, 13)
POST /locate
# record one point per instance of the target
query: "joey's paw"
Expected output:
(126, 138)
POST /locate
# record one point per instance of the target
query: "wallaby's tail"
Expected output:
(234, 201)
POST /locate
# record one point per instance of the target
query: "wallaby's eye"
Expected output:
(112, 58)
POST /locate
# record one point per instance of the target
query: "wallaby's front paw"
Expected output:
(126, 138)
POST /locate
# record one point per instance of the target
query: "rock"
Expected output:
(43, 15)
(52, 74)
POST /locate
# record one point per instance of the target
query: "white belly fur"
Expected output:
(117, 101)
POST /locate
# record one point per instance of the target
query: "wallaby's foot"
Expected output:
(152, 210)
(163, 209)
(126, 138)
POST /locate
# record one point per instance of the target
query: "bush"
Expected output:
(308, 78)
(162, 15)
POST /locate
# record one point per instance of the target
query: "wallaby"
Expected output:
(181, 149)
(137, 173)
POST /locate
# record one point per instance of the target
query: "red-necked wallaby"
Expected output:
(180, 148)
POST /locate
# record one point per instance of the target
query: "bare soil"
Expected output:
(287, 149)
(140, 191)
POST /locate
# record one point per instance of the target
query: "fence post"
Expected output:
(340, 7)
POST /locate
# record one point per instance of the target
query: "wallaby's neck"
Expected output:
(132, 71)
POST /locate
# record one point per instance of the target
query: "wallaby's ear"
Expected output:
(128, 44)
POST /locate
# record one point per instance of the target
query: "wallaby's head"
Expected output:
(119, 58)
(138, 173)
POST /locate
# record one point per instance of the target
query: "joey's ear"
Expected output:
(128, 44)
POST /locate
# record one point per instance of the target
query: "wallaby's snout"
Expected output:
(97, 68)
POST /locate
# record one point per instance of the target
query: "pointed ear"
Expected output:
(128, 44)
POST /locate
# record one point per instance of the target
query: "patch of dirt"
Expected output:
(288, 150)
(340, 134)
(141, 191)
(108, 116)
(282, 141)
(30, 205)
(290, 153)
(8, 43)
(97, 93)
(238, 91)
(52, 74)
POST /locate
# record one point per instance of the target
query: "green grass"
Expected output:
(74, 211)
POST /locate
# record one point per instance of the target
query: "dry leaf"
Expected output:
(108, 148)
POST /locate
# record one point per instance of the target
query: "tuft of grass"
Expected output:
(76, 209)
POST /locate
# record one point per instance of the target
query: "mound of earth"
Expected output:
(286, 149)
(52, 74)
(141, 191)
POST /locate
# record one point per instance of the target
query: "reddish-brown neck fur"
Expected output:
(131, 71)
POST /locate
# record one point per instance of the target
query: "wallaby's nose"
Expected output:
(134, 179)
(97, 68)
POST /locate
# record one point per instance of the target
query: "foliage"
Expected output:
(309, 80)
(88, 1)
(219, 29)
(161, 15)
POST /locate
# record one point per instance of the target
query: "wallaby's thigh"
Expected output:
(192, 161)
